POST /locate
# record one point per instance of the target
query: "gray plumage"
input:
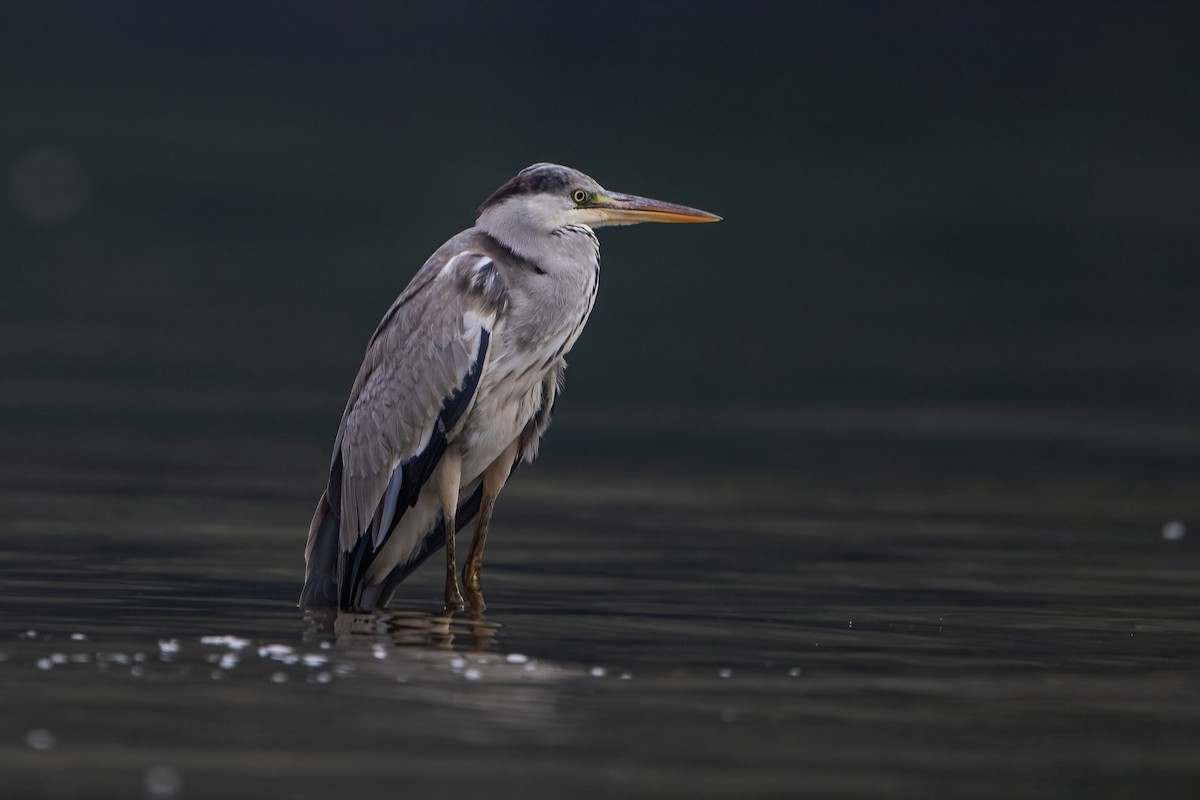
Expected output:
(458, 383)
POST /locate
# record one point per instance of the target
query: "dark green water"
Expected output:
(945, 608)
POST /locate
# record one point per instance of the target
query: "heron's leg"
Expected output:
(449, 477)
(493, 481)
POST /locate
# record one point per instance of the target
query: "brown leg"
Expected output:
(449, 476)
(493, 482)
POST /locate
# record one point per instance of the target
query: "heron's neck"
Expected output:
(534, 243)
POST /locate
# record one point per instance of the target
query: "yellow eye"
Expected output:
(579, 195)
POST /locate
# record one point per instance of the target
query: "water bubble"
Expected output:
(162, 781)
(40, 739)
(1173, 530)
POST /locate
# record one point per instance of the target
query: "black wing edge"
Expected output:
(406, 482)
(434, 540)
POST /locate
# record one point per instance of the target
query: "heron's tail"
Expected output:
(321, 559)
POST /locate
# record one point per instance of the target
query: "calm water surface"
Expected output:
(944, 613)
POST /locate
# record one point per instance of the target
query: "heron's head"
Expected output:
(545, 197)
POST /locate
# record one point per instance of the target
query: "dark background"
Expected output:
(208, 206)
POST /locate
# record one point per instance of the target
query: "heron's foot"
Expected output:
(472, 589)
(454, 598)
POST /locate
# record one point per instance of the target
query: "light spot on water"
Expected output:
(457, 663)
(137, 671)
(472, 674)
(314, 660)
(168, 647)
(29, 634)
(47, 185)
(162, 781)
(725, 673)
(78, 637)
(323, 677)
(1174, 530)
(794, 672)
(45, 663)
(58, 658)
(228, 661)
(274, 651)
(279, 677)
(516, 658)
(626, 676)
(379, 651)
(598, 672)
(40, 739)
(232, 642)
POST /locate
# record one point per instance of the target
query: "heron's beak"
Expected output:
(627, 209)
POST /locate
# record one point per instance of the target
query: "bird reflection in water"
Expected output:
(443, 660)
(440, 631)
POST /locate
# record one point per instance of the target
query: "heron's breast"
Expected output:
(506, 401)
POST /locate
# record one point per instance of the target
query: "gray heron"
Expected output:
(457, 386)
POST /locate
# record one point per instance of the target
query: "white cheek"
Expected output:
(592, 217)
(547, 213)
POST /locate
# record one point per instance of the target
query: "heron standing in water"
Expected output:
(457, 386)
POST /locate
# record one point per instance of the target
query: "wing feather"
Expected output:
(417, 382)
